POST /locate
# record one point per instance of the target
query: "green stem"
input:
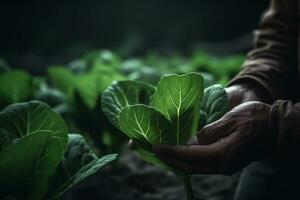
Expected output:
(186, 179)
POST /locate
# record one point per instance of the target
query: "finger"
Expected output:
(208, 152)
(192, 167)
(192, 152)
(214, 131)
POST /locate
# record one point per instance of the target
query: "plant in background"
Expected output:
(18, 86)
(15, 86)
(38, 158)
(86, 77)
(223, 68)
(169, 113)
(82, 81)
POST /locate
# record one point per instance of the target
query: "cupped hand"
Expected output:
(225, 146)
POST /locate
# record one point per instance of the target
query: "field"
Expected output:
(67, 100)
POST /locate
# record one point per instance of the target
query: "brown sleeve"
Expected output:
(285, 129)
(272, 64)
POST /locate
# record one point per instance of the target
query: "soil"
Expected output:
(133, 179)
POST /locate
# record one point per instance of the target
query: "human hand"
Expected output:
(241, 93)
(225, 146)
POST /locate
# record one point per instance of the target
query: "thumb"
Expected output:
(213, 132)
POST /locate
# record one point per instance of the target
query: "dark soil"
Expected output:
(134, 179)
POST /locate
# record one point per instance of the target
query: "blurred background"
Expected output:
(39, 33)
(66, 53)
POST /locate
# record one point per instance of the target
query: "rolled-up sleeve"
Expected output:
(272, 64)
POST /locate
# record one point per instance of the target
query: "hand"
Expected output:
(225, 146)
(242, 93)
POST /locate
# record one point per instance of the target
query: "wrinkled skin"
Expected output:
(229, 144)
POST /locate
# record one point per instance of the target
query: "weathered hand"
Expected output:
(225, 146)
(242, 93)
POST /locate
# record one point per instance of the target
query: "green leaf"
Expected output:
(86, 86)
(146, 127)
(202, 121)
(178, 97)
(79, 163)
(105, 59)
(20, 119)
(63, 79)
(26, 165)
(146, 124)
(124, 93)
(15, 86)
(214, 103)
(104, 80)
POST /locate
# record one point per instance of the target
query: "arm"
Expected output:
(271, 66)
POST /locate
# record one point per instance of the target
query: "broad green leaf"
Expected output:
(214, 103)
(63, 79)
(20, 119)
(90, 85)
(146, 124)
(79, 162)
(178, 97)
(26, 165)
(104, 80)
(15, 86)
(124, 93)
(86, 86)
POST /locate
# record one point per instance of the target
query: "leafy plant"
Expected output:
(86, 77)
(15, 86)
(165, 114)
(38, 159)
(214, 104)
(223, 68)
(82, 88)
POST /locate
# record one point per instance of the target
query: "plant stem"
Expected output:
(186, 179)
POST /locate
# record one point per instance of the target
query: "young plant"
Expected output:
(166, 114)
(38, 158)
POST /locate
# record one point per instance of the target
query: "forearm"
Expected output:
(284, 130)
(272, 64)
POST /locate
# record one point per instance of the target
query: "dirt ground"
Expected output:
(133, 179)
